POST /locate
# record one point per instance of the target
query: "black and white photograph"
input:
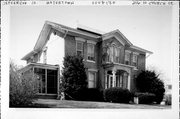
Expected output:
(117, 59)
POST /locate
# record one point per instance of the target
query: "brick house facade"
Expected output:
(110, 59)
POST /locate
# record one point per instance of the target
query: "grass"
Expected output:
(52, 103)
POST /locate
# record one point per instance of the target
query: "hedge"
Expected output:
(117, 95)
(88, 94)
(91, 94)
(145, 98)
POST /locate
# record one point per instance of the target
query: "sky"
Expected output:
(149, 27)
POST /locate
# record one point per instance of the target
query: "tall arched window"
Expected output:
(113, 54)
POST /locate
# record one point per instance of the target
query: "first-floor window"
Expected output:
(91, 80)
(119, 81)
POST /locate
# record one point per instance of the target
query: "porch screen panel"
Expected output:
(51, 81)
(41, 79)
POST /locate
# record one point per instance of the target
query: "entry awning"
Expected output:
(118, 66)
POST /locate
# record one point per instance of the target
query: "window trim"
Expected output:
(93, 52)
(79, 39)
(112, 56)
(95, 79)
(91, 42)
(135, 54)
(129, 52)
(82, 43)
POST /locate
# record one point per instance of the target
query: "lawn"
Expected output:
(52, 103)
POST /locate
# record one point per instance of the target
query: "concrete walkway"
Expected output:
(53, 103)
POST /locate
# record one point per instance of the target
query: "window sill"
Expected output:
(90, 61)
(135, 68)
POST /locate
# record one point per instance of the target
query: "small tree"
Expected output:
(74, 78)
(148, 81)
(23, 88)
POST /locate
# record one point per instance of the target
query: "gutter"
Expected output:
(148, 56)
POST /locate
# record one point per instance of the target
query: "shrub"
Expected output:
(23, 88)
(148, 81)
(117, 94)
(74, 77)
(90, 94)
(145, 98)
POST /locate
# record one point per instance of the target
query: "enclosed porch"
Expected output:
(47, 76)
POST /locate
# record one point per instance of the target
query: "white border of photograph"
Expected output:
(35, 113)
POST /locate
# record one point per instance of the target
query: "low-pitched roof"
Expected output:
(46, 30)
(118, 34)
(140, 49)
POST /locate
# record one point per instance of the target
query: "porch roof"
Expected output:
(118, 66)
(41, 65)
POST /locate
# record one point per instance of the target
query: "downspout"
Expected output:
(61, 94)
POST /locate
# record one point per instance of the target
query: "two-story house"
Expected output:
(111, 60)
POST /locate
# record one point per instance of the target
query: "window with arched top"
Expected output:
(127, 57)
(113, 54)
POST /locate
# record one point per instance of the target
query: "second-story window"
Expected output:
(134, 62)
(90, 52)
(117, 54)
(113, 54)
(127, 58)
(79, 48)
